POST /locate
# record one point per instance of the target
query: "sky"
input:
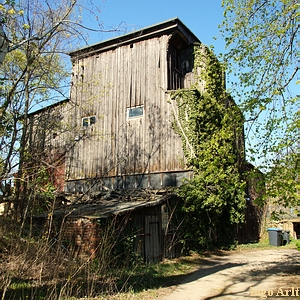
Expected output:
(202, 17)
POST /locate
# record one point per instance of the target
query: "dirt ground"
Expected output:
(248, 274)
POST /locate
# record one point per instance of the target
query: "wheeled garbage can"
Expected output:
(286, 237)
(275, 236)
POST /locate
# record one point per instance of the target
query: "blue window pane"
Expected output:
(136, 112)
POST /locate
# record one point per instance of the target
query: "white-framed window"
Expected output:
(135, 112)
(88, 121)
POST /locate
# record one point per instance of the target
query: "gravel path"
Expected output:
(253, 274)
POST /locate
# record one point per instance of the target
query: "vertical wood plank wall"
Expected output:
(105, 85)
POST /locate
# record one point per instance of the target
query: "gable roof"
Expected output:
(166, 27)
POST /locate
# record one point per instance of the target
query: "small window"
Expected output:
(135, 112)
(92, 120)
(88, 121)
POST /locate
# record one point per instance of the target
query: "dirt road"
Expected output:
(255, 274)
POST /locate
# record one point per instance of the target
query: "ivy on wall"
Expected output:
(211, 128)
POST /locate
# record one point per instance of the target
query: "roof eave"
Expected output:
(144, 33)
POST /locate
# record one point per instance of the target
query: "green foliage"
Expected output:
(125, 248)
(298, 245)
(282, 181)
(211, 129)
(209, 70)
(44, 190)
(261, 38)
(32, 74)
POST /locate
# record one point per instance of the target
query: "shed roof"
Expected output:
(102, 208)
(169, 26)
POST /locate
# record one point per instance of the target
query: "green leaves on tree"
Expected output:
(261, 38)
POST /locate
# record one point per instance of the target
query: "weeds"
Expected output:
(42, 269)
(36, 271)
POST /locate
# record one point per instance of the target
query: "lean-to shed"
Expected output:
(134, 226)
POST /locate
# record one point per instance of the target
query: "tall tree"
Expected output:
(33, 73)
(261, 38)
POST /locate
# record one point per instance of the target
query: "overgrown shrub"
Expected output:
(211, 128)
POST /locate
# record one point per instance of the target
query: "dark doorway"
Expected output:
(297, 229)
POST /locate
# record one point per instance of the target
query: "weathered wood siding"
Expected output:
(49, 138)
(105, 85)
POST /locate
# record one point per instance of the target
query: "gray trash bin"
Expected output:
(286, 237)
(275, 236)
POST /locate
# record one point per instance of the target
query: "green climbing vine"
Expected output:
(211, 128)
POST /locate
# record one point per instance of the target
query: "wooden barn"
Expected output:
(115, 132)
(116, 128)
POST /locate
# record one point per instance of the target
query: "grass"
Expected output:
(145, 281)
(264, 244)
(131, 283)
